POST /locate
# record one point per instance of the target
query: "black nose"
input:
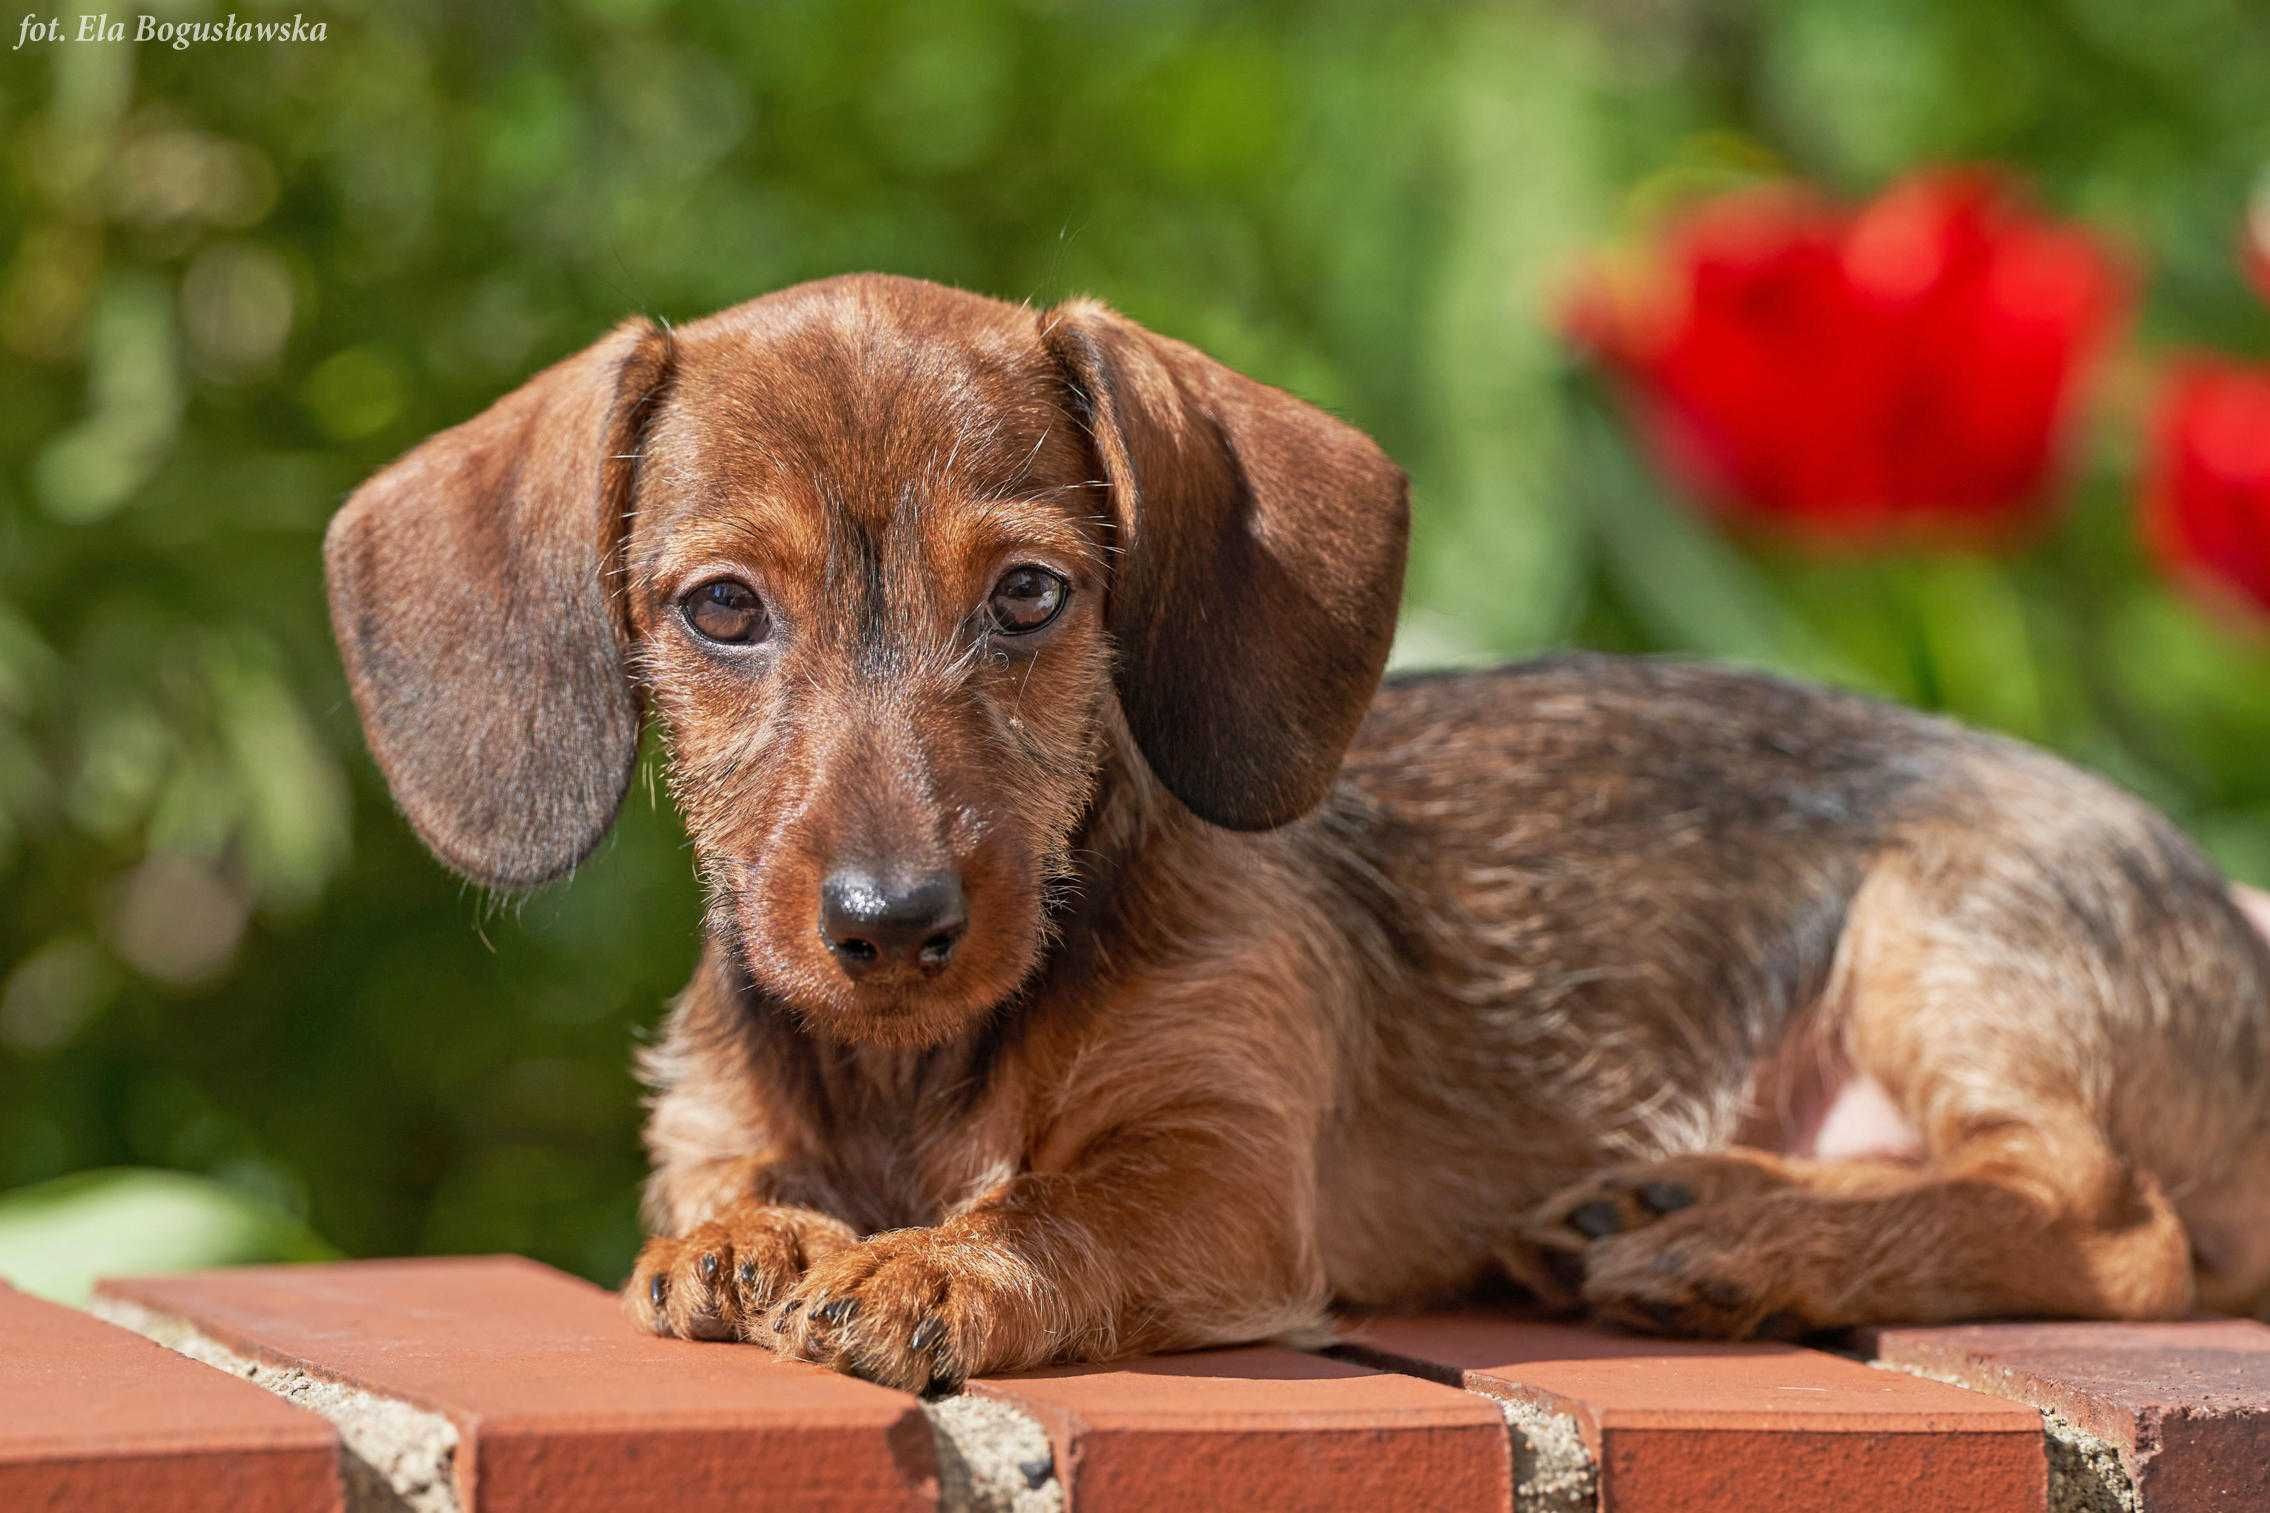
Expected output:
(877, 922)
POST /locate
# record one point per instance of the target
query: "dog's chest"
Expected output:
(910, 1135)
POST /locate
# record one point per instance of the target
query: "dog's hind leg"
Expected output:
(2071, 1014)
(1840, 1243)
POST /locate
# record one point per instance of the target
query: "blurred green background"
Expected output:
(235, 279)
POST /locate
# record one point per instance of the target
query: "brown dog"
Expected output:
(1094, 965)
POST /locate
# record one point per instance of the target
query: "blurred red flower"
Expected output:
(2207, 500)
(1902, 370)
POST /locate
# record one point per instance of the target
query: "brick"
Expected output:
(1264, 1428)
(93, 1418)
(557, 1401)
(1693, 1426)
(2183, 1407)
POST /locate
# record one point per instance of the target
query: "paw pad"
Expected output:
(1666, 1197)
(1595, 1220)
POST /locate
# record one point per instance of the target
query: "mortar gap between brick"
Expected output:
(992, 1457)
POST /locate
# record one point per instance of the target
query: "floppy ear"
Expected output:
(470, 597)
(1260, 563)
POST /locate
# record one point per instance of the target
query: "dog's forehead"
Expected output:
(860, 390)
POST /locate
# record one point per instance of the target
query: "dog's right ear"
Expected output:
(470, 597)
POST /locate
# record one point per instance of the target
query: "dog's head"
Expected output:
(895, 567)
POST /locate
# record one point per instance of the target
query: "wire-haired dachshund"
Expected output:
(1100, 959)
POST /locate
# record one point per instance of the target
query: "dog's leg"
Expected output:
(1629, 1196)
(1157, 1241)
(1746, 1243)
(1549, 1255)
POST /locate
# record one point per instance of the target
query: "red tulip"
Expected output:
(2207, 503)
(1906, 369)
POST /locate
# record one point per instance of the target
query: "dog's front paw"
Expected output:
(716, 1282)
(916, 1309)
(1696, 1274)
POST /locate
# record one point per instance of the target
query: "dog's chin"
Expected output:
(912, 1020)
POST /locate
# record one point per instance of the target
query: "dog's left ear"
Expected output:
(469, 592)
(1261, 546)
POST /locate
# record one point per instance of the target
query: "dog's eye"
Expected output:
(726, 611)
(1027, 598)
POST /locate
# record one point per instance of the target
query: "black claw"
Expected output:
(837, 1311)
(787, 1312)
(926, 1334)
(707, 1266)
(748, 1273)
(1596, 1220)
(1666, 1197)
(1567, 1269)
(657, 1289)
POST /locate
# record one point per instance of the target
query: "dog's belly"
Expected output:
(1856, 1118)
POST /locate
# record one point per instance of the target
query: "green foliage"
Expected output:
(233, 280)
(58, 1238)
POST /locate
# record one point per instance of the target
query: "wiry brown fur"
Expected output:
(1533, 976)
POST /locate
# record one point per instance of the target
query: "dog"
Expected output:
(1100, 958)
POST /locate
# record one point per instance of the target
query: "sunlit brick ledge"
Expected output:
(494, 1383)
